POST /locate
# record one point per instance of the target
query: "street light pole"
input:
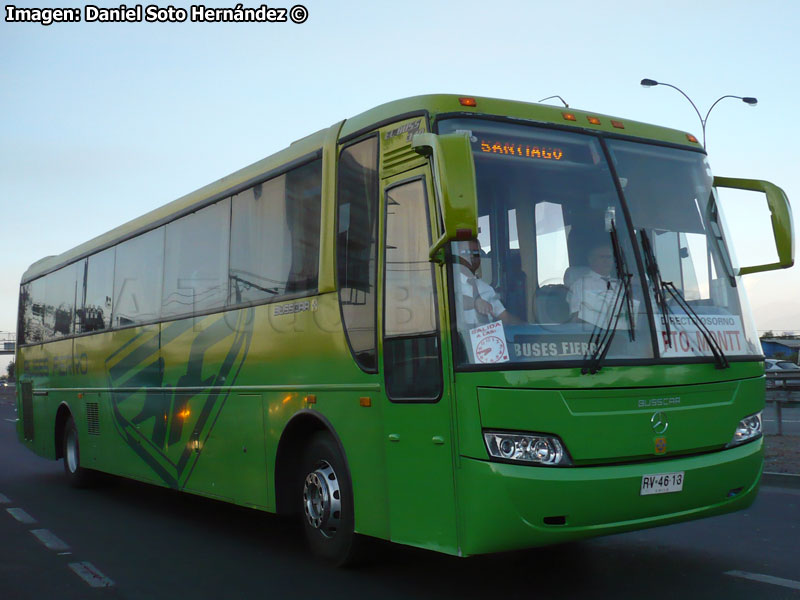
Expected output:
(749, 100)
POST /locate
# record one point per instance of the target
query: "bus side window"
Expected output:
(61, 292)
(96, 315)
(137, 279)
(33, 303)
(356, 247)
(412, 358)
(196, 261)
(275, 237)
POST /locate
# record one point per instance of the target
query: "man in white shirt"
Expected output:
(477, 303)
(592, 289)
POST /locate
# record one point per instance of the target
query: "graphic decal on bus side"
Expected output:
(161, 423)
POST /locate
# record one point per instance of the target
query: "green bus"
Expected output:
(458, 323)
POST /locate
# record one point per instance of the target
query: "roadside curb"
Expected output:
(786, 480)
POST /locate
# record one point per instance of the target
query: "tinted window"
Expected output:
(96, 312)
(137, 279)
(357, 201)
(410, 303)
(275, 236)
(22, 308)
(411, 346)
(32, 308)
(61, 292)
(196, 261)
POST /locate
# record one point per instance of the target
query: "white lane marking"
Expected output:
(784, 420)
(11, 420)
(91, 574)
(50, 540)
(788, 583)
(20, 515)
(4, 499)
(771, 489)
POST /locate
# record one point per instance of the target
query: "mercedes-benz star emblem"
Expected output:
(659, 422)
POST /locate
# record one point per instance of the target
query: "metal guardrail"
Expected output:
(785, 392)
(787, 379)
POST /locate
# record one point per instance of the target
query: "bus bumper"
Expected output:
(507, 507)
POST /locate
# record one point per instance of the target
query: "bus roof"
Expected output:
(433, 106)
(437, 105)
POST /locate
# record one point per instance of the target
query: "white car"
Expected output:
(778, 367)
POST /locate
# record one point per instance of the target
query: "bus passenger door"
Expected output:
(418, 404)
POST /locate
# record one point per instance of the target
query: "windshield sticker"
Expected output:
(561, 348)
(687, 339)
(489, 343)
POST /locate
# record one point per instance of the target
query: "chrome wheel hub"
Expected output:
(72, 451)
(322, 501)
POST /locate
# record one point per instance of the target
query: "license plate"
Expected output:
(661, 483)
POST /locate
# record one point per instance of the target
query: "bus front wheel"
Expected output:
(327, 502)
(77, 475)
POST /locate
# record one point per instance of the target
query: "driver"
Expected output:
(592, 289)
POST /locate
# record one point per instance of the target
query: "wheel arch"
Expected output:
(300, 428)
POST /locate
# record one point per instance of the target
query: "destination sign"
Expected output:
(510, 148)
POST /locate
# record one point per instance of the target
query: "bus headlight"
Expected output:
(748, 429)
(532, 448)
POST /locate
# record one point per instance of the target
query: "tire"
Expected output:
(326, 496)
(78, 476)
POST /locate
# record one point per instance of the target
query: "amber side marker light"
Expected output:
(365, 401)
(593, 120)
(569, 116)
(311, 399)
(691, 138)
(618, 124)
(467, 102)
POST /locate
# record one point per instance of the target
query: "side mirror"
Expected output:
(454, 179)
(781, 213)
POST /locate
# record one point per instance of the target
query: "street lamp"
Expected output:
(746, 99)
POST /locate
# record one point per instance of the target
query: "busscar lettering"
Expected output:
(296, 307)
(409, 128)
(657, 402)
(43, 16)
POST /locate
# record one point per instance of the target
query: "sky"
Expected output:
(102, 122)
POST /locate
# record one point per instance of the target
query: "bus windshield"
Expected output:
(557, 275)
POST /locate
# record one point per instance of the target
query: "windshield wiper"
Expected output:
(659, 287)
(716, 350)
(601, 338)
(651, 266)
(624, 277)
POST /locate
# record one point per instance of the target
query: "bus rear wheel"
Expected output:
(327, 502)
(77, 475)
